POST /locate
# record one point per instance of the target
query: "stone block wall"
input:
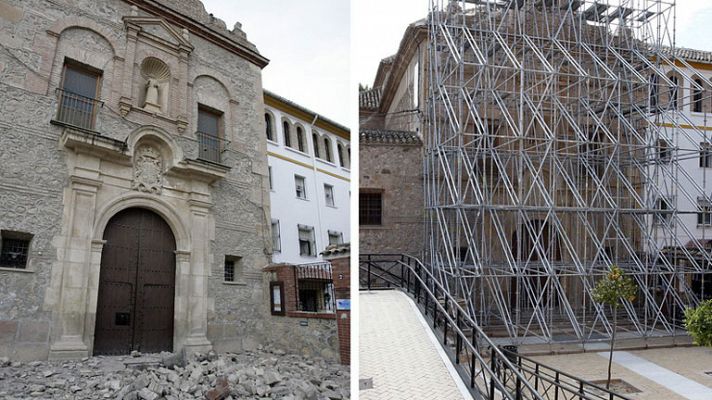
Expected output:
(395, 170)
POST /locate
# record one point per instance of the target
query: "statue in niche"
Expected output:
(148, 170)
(152, 88)
(157, 76)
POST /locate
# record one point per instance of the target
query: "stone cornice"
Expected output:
(201, 30)
(414, 35)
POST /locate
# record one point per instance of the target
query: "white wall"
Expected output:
(291, 211)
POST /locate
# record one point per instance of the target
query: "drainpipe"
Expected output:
(319, 228)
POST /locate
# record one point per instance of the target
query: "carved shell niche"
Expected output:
(157, 76)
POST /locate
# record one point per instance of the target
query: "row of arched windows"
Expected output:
(695, 95)
(294, 137)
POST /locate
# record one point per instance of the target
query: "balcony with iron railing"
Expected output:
(211, 147)
(76, 110)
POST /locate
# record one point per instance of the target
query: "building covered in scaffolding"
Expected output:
(561, 137)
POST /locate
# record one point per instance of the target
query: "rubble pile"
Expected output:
(264, 374)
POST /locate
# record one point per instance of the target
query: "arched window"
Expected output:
(697, 97)
(315, 142)
(340, 151)
(327, 150)
(268, 127)
(673, 92)
(287, 139)
(300, 139)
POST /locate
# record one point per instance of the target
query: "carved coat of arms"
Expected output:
(148, 170)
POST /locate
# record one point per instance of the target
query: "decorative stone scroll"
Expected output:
(148, 170)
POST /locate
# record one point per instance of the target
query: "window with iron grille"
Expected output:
(300, 187)
(15, 249)
(307, 242)
(209, 133)
(705, 155)
(664, 152)
(276, 239)
(329, 195)
(229, 271)
(704, 217)
(370, 208)
(78, 103)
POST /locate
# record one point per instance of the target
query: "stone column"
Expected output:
(197, 304)
(75, 262)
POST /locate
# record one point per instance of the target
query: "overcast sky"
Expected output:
(308, 44)
(378, 34)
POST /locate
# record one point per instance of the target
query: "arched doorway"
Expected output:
(136, 285)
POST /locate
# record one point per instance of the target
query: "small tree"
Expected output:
(698, 321)
(610, 291)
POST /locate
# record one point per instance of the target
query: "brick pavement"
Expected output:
(397, 352)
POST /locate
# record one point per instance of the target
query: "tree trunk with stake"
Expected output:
(613, 341)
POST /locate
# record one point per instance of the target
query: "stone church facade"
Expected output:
(133, 174)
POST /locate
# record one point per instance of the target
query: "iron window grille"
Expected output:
(210, 142)
(229, 271)
(335, 237)
(15, 249)
(370, 206)
(705, 155)
(315, 287)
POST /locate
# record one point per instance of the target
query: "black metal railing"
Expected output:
(211, 147)
(490, 372)
(314, 289)
(77, 110)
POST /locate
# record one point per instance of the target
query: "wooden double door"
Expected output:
(136, 285)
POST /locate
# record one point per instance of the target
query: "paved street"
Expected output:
(399, 352)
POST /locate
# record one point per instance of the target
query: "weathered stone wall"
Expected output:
(37, 194)
(396, 170)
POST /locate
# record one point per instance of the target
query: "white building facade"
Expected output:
(309, 167)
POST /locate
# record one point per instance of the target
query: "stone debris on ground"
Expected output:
(263, 374)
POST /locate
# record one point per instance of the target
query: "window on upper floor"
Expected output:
(209, 133)
(329, 195)
(673, 92)
(704, 217)
(276, 238)
(286, 132)
(78, 97)
(697, 97)
(14, 249)
(340, 153)
(662, 214)
(268, 127)
(300, 187)
(327, 150)
(653, 93)
(301, 142)
(705, 155)
(307, 242)
(370, 208)
(664, 152)
(315, 142)
(335, 237)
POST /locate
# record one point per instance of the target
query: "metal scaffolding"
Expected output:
(556, 133)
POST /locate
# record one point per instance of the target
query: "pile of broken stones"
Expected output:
(262, 374)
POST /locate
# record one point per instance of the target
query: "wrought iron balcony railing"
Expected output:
(211, 147)
(76, 110)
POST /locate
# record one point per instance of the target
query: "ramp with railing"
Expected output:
(489, 371)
